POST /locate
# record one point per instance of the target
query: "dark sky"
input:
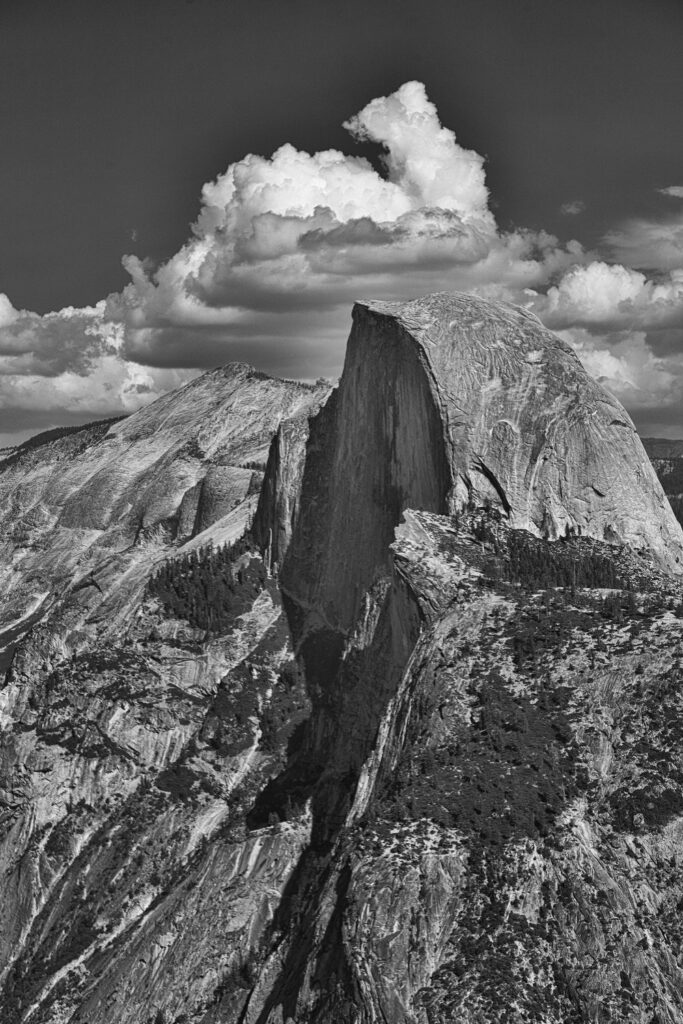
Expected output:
(112, 115)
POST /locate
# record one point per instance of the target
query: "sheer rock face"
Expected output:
(420, 662)
(452, 399)
(280, 497)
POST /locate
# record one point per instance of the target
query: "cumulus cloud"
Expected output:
(113, 387)
(67, 367)
(296, 232)
(650, 385)
(653, 245)
(627, 329)
(626, 364)
(69, 340)
(282, 246)
(609, 297)
(573, 208)
(280, 241)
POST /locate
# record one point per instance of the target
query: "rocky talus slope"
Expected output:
(429, 769)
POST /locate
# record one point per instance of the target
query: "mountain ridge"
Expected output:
(428, 764)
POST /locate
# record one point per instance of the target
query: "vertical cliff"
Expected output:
(445, 403)
(279, 501)
(465, 797)
(453, 400)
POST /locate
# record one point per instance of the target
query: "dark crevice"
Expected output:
(495, 483)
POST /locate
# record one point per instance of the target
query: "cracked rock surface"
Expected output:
(430, 766)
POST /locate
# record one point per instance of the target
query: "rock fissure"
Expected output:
(431, 750)
(495, 483)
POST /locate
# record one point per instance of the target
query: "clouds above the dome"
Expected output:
(280, 241)
(282, 246)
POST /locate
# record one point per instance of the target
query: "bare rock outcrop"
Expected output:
(128, 737)
(426, 764)
(279, 501)
(452, 400)
(473, 813)
(117, 496)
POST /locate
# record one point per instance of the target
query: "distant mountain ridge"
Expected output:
(667, 458)
(663, 447)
